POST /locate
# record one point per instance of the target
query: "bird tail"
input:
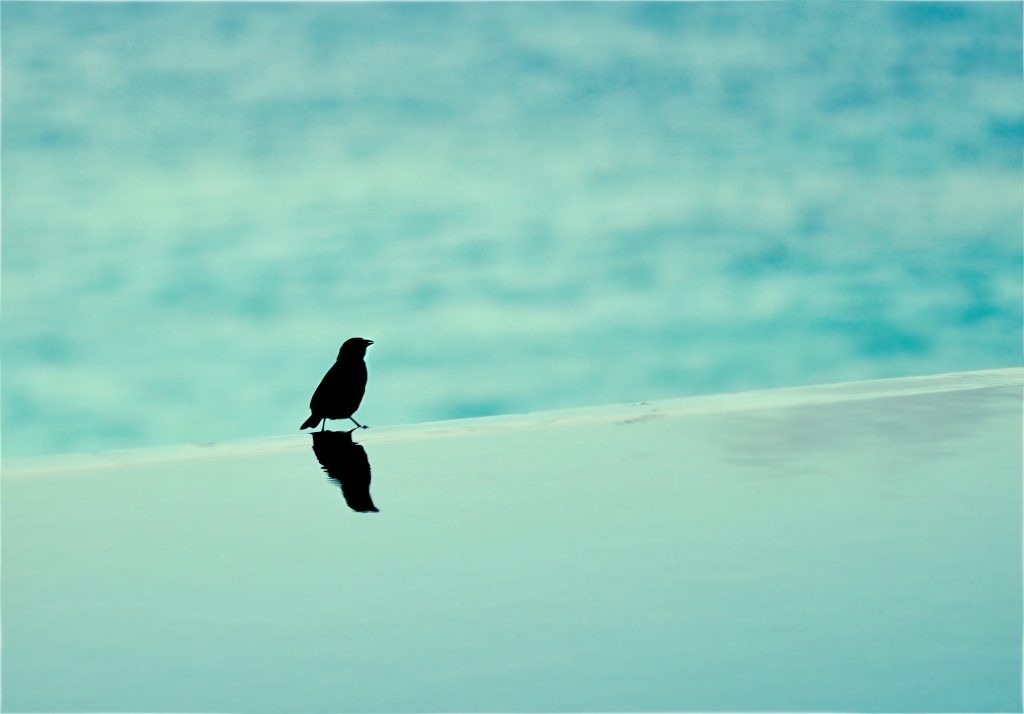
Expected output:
(311, 422)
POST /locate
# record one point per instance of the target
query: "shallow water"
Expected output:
(847, 548)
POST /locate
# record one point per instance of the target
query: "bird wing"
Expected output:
(340, 391)
(321, 396)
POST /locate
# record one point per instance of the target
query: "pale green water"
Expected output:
(829, 550)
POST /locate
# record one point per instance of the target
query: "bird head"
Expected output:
(354, 347)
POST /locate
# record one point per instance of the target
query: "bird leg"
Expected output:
(323, 424)
(357, 423)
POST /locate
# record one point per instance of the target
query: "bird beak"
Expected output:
(369, 342)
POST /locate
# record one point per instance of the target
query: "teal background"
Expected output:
(527, 206)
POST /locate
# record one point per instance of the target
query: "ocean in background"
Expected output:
(526, 206)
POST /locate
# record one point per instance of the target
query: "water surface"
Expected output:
(849, 548)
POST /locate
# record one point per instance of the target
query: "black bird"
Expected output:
(342, 388)
(345, 463)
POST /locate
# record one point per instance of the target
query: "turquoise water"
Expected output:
(526, 206)
(848, 549)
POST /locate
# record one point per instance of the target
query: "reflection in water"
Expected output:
(346, 464)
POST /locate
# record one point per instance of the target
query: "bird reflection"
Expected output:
(344, 461)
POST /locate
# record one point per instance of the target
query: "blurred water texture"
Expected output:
(525, 206)
(831, 549)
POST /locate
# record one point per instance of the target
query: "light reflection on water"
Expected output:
(858, 555)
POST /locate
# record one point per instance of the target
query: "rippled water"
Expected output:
(526, 206)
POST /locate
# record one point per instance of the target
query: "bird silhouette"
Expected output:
(342, 388)
(345, 463)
